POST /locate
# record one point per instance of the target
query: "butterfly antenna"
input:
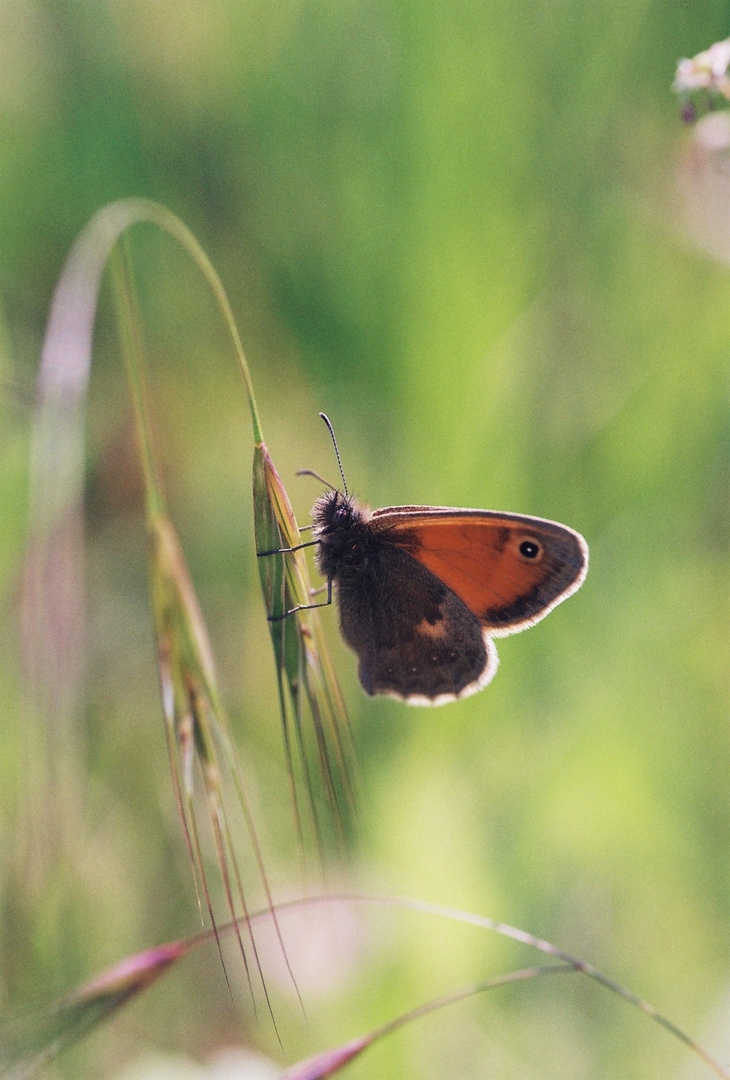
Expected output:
(311, 472)
(334, 441)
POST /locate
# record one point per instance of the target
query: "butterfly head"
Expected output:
(340, 525)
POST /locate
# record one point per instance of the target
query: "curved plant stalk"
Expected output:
(197, 728)
(306, 651)
(525, 938)
(329, 1062)
(196, 725)
(26, 1046)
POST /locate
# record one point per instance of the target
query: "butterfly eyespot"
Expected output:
(529, 549)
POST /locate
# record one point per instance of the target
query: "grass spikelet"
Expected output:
(304, 669)
(195, 724)
(30, 1042)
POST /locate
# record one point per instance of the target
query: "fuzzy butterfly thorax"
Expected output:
(345, 537)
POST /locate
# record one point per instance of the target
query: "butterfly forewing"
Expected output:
(509, 570)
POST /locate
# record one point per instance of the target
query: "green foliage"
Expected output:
(455, 229)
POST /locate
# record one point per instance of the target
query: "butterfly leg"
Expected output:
(286, 551)
(305, 607)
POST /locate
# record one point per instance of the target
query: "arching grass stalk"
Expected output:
(196, 725)
(27, 1045)
(329, 1062)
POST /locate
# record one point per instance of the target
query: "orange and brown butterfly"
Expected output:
(423, 590)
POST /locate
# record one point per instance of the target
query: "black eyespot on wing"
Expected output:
(529, 549)
(558, 565)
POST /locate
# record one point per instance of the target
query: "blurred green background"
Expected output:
(453, 227)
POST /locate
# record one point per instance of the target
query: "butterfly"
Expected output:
(423, 590)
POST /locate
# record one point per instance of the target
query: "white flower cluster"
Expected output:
(707, 70)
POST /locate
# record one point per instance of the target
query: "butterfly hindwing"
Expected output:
(414, 637)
